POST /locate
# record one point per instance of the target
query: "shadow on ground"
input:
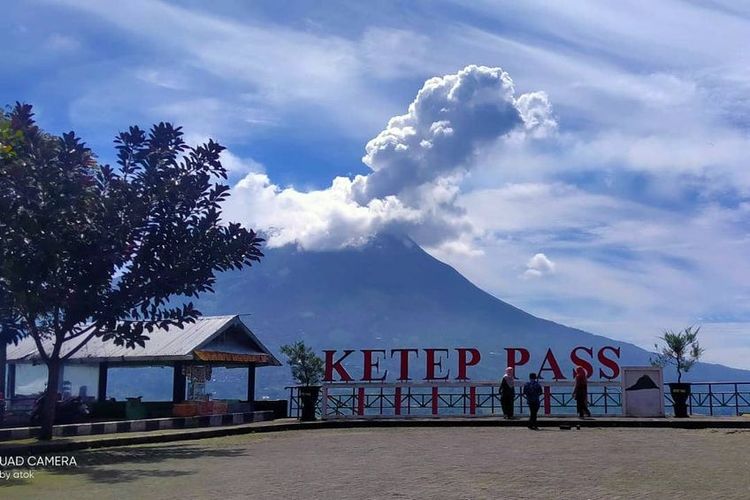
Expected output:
(120, 465)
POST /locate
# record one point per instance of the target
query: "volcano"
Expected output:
(390, 293)
(643, 383)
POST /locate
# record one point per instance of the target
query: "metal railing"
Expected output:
(716, 398)
(429, 399)
(475, 398)
(295, 403)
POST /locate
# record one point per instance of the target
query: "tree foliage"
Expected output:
(88, 250)
(10, 138)
(307, 367)
(680, 349)
(10, 331)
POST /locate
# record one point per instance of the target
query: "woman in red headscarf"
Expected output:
(581, 393)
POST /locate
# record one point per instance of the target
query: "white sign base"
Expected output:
(642, 391)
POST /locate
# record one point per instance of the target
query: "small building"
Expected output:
(192, 352)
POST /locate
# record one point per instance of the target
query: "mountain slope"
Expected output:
(391, 294)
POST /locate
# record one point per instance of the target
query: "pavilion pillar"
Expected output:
(61, 380)
(4, 358)
(101, 390)
(251, 385)
(11, 381)
(178, 383)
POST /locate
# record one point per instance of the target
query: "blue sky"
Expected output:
(584, 161)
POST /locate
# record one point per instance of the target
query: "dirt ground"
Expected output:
(434, 463)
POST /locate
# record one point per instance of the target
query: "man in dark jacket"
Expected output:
(532, 391)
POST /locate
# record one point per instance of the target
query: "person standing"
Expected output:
(581, 393)
(532, 391)
(507, 393)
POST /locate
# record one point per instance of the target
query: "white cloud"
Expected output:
(417, 162)
(171, 80)
(239, 167)
(621, 269)
(393, 53)
(58, 42)
(328, 218)
(450, 117)
(536, 111)
(726, 343)
(539, 265)
(529, 207)
(264, 72)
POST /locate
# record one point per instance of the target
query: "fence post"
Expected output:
(361, 401)
(408, 400)
(434, 400)
(547, 397)
(324, 403)
(472, 400)
(605, 400)
(736, 401)
(291, 403)
(397, 402)
(710, 401)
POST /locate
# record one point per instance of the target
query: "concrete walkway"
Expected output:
(27, 447)
(446, 463)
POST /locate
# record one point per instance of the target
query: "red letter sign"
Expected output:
(404, 372)
(609, 363)
(463, 362)
(370, 364)
(431, 364)
(336, 365)
(577, 361)
(512, 361)
(554, 367)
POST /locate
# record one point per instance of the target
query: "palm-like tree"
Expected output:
(680, 349)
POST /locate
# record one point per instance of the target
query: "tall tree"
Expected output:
(87, 250)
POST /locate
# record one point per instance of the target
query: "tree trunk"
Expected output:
(50, 399)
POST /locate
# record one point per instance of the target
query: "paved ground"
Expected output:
(435, 463)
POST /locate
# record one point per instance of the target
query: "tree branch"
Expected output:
(80, 345)
(79, 333)
(37, 340)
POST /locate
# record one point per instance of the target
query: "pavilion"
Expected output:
(218, 341)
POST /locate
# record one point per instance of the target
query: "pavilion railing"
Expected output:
(475, 398)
